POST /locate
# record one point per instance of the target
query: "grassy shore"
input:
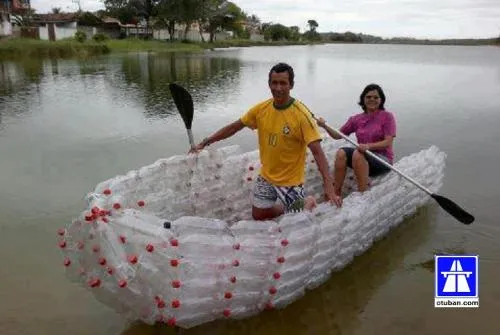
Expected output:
(249, 43)
(167, 46)
(29, 48)
(133, 44)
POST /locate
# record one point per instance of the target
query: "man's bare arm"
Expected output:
(221, 134)
(322, 163)
(334, 134)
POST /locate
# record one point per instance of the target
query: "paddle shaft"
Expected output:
(383, 162)
(190, 135)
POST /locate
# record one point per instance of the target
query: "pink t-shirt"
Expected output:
(372, 127)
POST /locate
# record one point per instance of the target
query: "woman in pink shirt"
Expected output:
(375, 129)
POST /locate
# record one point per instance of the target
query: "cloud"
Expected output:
(45, 6)
(387, 18)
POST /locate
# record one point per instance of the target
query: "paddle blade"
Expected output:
(184, 103)
(453, 209)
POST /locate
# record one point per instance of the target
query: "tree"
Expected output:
(234, 18)
(222, 15)
(170, 12)
(276, 32)
(294, 33)
(144, 9)
(211, 15)
(312, 34)
(253, 20)
(312, 25)
(120, 9)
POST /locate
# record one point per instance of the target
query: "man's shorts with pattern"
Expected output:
(266, 194)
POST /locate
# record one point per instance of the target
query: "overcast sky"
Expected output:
(386, 18)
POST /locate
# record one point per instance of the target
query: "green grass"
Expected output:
(134, 44)
(249, 43)
(70, 48)
(29, 48)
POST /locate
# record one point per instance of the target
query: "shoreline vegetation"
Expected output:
(70, 48)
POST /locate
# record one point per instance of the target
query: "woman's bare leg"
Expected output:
(361, 169)
(340, 171)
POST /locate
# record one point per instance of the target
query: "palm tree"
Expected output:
(312, 25)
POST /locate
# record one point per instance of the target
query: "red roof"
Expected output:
(60, 17)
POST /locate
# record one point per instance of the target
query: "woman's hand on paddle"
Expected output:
(363, 147)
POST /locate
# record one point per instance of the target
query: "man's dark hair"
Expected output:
(282, 67)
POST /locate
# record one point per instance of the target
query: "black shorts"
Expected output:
(374, 166)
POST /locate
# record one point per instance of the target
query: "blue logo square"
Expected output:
(457, 276)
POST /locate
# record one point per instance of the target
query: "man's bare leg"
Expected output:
(309, 203)
(267, 213)
(277, 210)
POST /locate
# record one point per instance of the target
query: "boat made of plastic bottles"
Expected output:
(175, 242)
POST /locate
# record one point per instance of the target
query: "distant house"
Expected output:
(115, 29)
(254, 28)
(5, 24)
(181, 32)
(7, 8)
(19, 6)
(53, 27)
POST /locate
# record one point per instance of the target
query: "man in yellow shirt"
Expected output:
(286, 129)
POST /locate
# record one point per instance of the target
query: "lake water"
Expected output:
(66, 125)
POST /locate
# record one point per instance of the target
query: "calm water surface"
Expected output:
(66, 125)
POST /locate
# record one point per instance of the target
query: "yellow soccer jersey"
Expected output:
(284, 134)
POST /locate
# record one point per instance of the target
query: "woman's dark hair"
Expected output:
(369, 88)
(282, 67)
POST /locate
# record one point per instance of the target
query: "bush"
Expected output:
(100, 37)
(80, 36)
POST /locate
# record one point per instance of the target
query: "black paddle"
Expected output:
(452, 208)
(184, 103)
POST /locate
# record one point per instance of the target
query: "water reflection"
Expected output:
(18, 79)
(18, 76)
(139, 78)
(335, 307)
(150, 74)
